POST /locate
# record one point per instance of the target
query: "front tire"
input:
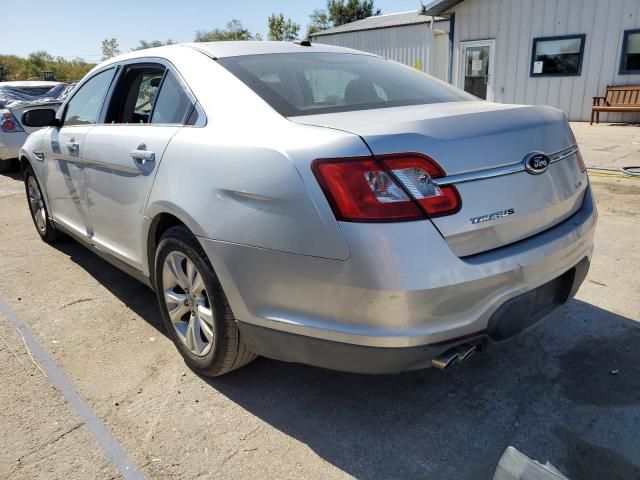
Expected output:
(38, 208)
(194, 307)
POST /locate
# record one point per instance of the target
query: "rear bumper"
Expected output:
(289, 347)
(513, 317)
(10, 144)
(401, 288)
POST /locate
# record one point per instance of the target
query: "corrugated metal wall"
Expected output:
(439, 66)
(514, 24)
(407, 44)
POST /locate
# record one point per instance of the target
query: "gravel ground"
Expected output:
(567, 391)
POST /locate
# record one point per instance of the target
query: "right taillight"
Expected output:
(8, 123)
(390, 188)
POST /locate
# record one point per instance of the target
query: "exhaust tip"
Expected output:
(446, 359)
(465, 351)
(457, 354)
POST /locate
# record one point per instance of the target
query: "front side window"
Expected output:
(84, 107)
(315, 83)
(630, 62)
(557, 56)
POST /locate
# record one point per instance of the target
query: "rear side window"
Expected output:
(84, 107)
(316, 83)
(173, 104)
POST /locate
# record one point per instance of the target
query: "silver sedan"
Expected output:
(315, 204)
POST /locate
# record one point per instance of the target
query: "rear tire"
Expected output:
(194, 308)
(38, 208)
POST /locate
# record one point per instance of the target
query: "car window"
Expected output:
(136, 94)
(145, 95)
(315, 83)
(328, 86)
(84, 107)
(173, 104)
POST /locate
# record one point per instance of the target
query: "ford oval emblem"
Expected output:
(536, 163)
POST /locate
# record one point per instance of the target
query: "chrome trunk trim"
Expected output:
(501, 171)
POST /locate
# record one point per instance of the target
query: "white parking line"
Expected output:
(109, 444)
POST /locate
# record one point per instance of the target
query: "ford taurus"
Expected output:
(315, 204)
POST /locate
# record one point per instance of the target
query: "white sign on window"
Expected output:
(537, 67)
(476, 65)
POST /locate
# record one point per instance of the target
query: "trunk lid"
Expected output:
(477, 140)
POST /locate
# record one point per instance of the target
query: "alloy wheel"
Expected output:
(188, 303)
(36, 204)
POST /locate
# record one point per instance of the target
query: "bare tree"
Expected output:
(110, 48)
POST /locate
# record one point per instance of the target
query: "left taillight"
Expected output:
(360, 190)
(390, 188)
(8, 122)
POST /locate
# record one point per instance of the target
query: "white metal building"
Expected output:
(409, 37)
(553, 52)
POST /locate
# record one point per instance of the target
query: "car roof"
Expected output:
(231, 49)
(218, 50)
(235, 49)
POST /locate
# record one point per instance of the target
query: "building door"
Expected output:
(476, 68)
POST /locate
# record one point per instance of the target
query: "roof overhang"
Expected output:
(368, 29)
(438, 6)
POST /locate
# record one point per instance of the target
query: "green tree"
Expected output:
(153, 43)
(347, 11)
(17, 68)
(110, 48)
(281, 29)
(234, 31)
(319, 21)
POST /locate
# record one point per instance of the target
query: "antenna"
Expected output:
(423, 10)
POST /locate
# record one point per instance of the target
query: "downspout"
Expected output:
(431, 47)
(452, 30)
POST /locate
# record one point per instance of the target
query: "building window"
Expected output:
(557, 56)
(630, 61)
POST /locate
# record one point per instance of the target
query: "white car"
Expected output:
(315, 204)
(15, 100)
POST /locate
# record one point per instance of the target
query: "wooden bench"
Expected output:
(621, 98)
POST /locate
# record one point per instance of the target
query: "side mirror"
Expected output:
(40, 117)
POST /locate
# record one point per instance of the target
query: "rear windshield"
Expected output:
(34, 91)
(315, 83)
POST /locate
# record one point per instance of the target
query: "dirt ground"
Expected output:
(567, 391)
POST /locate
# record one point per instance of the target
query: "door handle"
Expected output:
(142, 155)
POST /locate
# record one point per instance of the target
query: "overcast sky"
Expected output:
(73, 28)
